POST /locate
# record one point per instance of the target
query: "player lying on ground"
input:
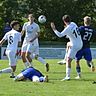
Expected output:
(31, 74)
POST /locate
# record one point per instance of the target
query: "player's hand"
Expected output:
(53, 26)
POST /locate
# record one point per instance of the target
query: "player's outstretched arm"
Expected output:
(2, 41)
(19, 77)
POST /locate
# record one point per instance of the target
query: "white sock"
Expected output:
(30, 64)
(41, 60)
(6, 70)
(68, 70)
(65, 56)
(26, 64)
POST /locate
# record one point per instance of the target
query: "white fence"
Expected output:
(48, 53)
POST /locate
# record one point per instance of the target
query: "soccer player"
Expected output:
(71, 31)
(14, 38)
(31, 74)
(87, 33)
(30, 43)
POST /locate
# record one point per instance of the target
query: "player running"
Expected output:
(30, 43)
(31, 74)
(71, 31)
(87, 33)
(13, 37)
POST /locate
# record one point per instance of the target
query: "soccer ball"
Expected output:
(42, 19)
(35, 79)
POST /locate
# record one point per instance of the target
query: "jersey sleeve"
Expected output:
(63, 33)
(5, 36)
(19, 37)
(24, 27)
(38, 28)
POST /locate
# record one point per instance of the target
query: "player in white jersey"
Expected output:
(30, 43)
(71, 31)
(13, 37)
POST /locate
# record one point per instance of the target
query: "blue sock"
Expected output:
(78, 69)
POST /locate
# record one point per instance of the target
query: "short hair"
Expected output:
(31, 15)
(66, 18)
(87, 19)
(13, 23)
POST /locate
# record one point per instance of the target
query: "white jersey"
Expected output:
(31, 31)
(13, 37)
(71, 31)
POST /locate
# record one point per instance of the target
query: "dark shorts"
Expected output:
(85, 53)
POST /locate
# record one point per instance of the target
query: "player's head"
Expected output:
(66, 19)
(43, 79)
(87, 20)
(31, 18)
(15, 25)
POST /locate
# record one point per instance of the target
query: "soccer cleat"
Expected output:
(46, 78)
(66, 78)
(78, 77)
(0, 71)
(94, 82)
(12, 76)
(47, 67)
(61, 62)
(92, 68)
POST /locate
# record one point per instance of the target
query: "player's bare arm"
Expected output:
(2, 41)
(37, 35)
(22, 32)
(53, 26)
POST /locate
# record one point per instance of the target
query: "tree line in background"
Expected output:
(52, 9)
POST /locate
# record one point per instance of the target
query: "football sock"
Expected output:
(78, 69)
(26, 64)
(89, 64)
(41, 60)
(30, 64)
(68, 70)
(6, 70)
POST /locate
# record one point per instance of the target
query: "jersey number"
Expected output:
(87, 36)
(76, 32)
(10, 39)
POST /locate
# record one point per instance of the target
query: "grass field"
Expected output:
(54, 87)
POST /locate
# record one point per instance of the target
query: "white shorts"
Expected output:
(29, 47)
(12, 57)
(72, 52)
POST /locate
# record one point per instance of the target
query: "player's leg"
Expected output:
(23, 54)
(78, 69)
(70, 56)
(88, 58)
(64, 60)
(19, 77)
(12, 63)
(40, 59)
(78, 57)
(91, 65)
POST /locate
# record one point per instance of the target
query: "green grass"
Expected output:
(54, 87)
